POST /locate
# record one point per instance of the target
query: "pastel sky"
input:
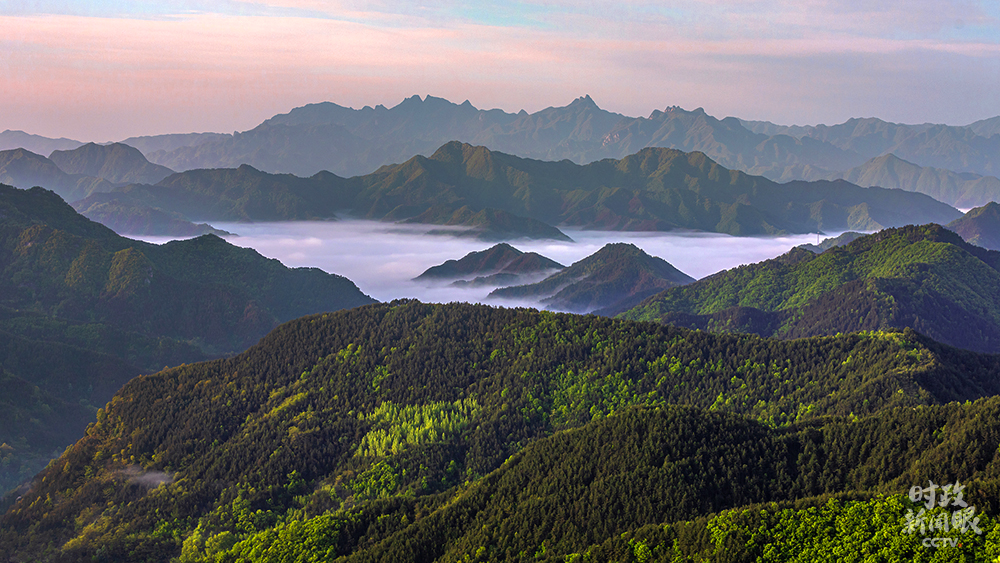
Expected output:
(107, 69)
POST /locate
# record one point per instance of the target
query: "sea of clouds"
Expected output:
(383, 258)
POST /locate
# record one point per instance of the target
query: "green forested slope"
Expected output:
(923, 277)
(406, 428)
(55, 262)
(664, 465)
(73, 293)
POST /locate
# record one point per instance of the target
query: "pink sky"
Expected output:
(94, 73)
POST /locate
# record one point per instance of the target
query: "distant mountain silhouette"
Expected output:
(117, 163)
(349, 142)
(889, 171)
(959, 149)
(986, 127)
(129, 218)
(34, 143)
(727, 142)
(499, 265)
(345, 141)
(25, 169)
(151, 144)
(615, 273)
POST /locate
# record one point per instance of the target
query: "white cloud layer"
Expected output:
(383, 258)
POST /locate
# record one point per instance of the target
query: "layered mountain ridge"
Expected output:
(953, 163)
(345, 141)
(655, 189)
(922, 277)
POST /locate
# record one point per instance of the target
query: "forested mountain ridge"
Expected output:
(655, 189)
(57, 262)
(923, 277)
(50, 387)
(317, 442)
(76, 299)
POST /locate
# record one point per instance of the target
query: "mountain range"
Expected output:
(953, 163)
(655, 189)
(92, 170)
(24, 169)
(34, 143)
(922, 277)
(345, 141)
(530, 435)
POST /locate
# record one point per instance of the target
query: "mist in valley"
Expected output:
(383, 258)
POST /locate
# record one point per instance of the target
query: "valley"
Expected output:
(384, 258)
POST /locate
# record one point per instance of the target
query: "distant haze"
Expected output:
(382, 258)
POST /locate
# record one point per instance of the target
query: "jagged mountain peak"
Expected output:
(584, 101)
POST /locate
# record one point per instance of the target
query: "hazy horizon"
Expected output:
(510, 111)
(105, 71)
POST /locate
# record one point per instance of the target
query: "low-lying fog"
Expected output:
(383, 258)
